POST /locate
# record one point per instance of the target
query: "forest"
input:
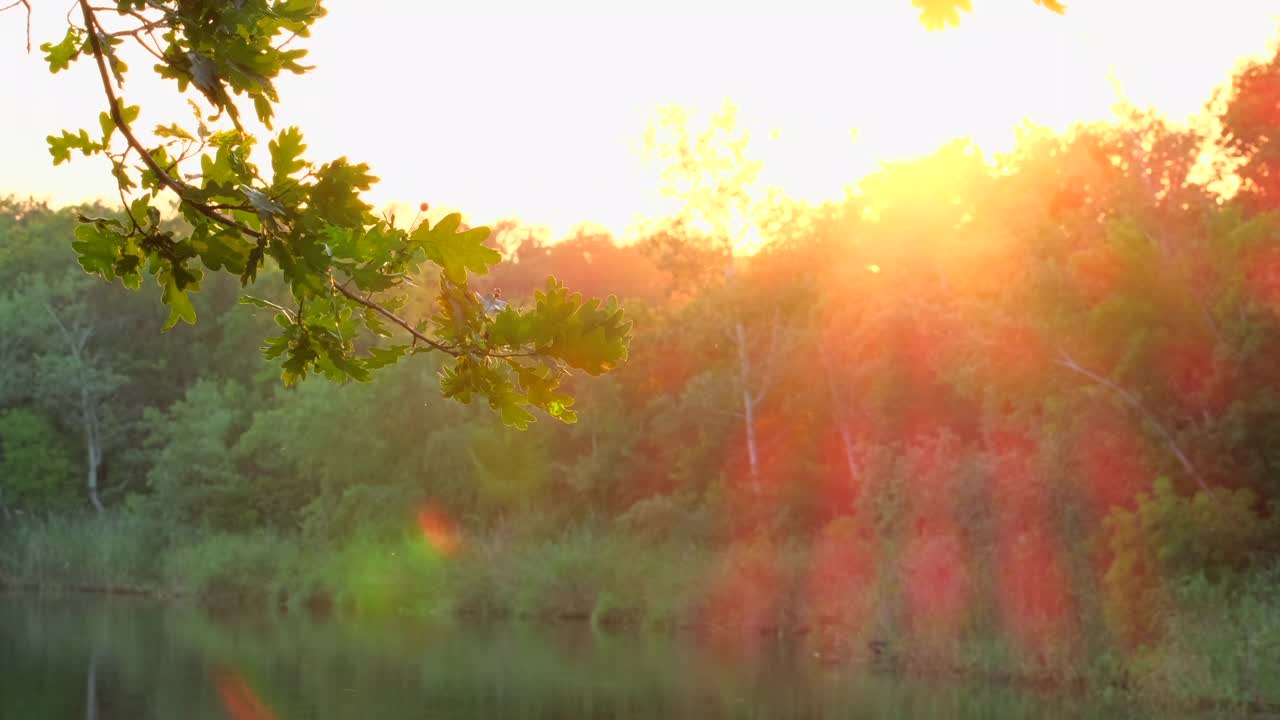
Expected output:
(1017, 414)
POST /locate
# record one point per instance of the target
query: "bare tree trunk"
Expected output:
(92, 441)
(753, 452)
(1132, 401)
(846, 439)
(88, 407)
(748, 404)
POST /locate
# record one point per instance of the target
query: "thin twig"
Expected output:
(26, 4)
(404, 324)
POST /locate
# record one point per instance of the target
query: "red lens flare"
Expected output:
(746, 591)
(240, 700)
(1113, 457)
(938, 587)
(843, 577)
(1033, 591)
(1033, 585)
(439, 530)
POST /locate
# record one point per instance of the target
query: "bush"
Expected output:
(233, 569)
(1170, 537)
(1222, 642)
(36, 471)
(370, 575)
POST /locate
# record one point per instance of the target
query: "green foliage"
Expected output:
(60, 55)
(194, 479)
(1171, 537)
(347, 271)
(455, 251)
(36, 471)
(231, 569)
(1223, 643)
(581, 574)
(376, 511)
(511, 471)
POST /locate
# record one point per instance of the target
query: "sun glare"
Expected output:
(523, 141)
(827, 343)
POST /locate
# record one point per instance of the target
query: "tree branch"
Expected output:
(26, 4)
(1132, 400)
(182, 189)
(177, 186)
(404, 324)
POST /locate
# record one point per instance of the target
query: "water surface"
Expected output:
(105, 658)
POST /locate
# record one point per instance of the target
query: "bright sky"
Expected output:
(536, 110)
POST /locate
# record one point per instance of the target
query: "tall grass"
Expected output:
(583, 573)
(110, 551)
(1221, 643)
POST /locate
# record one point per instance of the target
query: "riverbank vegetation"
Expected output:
(1015, 414)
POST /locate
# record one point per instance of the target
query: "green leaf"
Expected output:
(511, 406)
(98, 248)
(175, 295)
(172, 131)
(539, 387)
(455, 252)
(512, 329)
(286, 154)
(382, 357)
(108, 126)
(60, 55)
(60, 147)
(223, 250)
(128, 114)
(588, 336)
(335, 198)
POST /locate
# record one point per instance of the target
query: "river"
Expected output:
(104, 658)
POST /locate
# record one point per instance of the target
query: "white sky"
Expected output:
(536, 110)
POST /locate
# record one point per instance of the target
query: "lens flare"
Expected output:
(938, 587)
(1113, 457)
(239, 698)
(439, 530)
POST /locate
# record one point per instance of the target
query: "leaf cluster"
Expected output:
(348, 271)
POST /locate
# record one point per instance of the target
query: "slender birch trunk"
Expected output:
(748, 404)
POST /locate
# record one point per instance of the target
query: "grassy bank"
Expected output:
(577, 574)
(1220, 643)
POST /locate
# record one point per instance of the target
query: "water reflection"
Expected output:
(91, 693)
(106, 658)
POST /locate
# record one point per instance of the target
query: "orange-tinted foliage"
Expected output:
(239, 698)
